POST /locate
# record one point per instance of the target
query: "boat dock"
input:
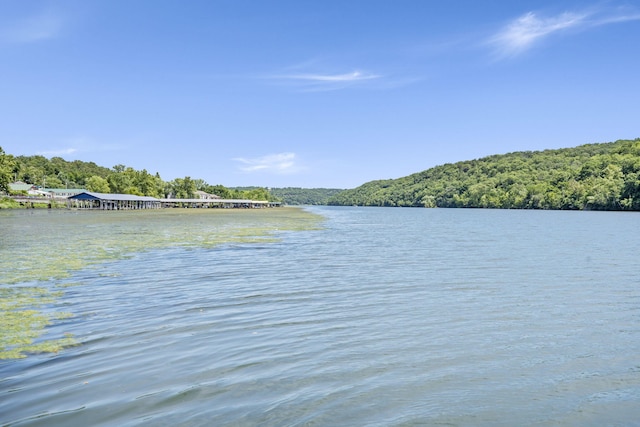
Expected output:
(105, 201)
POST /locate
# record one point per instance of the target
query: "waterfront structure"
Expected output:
(21, 186)
(105, 201)
(204, 195)
(217, 203)
(62, 193)
(34, 190)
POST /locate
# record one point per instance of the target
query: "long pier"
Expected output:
(217, 203)
(101, 201)
(105, 201)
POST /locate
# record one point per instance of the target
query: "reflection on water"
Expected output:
(383, 317)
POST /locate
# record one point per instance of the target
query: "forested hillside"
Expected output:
(594, 176)
(59, 173)
(305, 196)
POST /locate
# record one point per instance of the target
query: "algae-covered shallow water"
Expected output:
(378, 317)
(48, 245)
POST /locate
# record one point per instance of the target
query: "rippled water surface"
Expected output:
(385, 317)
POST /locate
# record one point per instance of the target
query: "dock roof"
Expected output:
(88, 195)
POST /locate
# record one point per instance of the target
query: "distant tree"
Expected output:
(118, 182)
(256, 194)
(201, 184)
(304, 196)
(133, 190)
(221, 191)
(97, 184)
(7, 165)
(147, 184)
(52, 181)
(183, 188)
(31, 174)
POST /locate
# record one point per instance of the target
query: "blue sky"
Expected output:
(313, 93)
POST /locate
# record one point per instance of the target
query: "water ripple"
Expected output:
(386, 317)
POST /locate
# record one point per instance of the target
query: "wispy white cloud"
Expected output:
(281, 163)
(82, 144)
(618, 17)
(43, 26)
(522, 33)
(355, 76)
(526, 31)
(317, 82)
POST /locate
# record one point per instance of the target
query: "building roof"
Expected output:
(218, 200)
(20, 186)
(205, 194)
(87, 195)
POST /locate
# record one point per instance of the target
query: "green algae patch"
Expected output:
(23, 322)
(69, 284)
(48, 245)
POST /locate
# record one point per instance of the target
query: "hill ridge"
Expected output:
(599, 176)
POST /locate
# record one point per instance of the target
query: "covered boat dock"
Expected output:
(104, 201)
(217, 203)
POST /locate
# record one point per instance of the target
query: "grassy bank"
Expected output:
(9, 203)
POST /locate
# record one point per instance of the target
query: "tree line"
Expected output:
(59, 173)
(594, 176)
(305, 196)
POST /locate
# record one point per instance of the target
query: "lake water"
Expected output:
(385, 317)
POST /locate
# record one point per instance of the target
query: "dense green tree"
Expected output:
(147, 184)
(120, 180)
(32, 175)
(183, 188)
(221, 191)
(127, 180)
(53, 181)
(7, 167)
(201, 184)
(256, 194)
(304, 196)
(97, 184)
(38, 170)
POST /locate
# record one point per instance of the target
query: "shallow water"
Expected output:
(384, 317)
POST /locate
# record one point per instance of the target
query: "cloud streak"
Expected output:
(356, 76)
(81, 145)
(317, 82)
(526, 31)
(281, 163)
(522, 33)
